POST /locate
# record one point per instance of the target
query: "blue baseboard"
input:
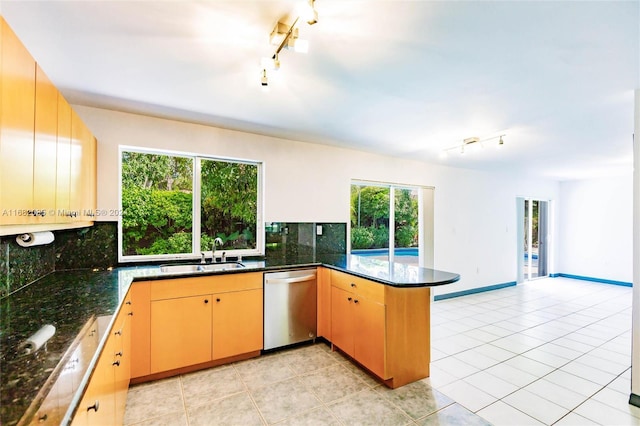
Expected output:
(595, 280)
(473, 291)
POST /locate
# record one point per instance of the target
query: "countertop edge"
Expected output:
(164, 276)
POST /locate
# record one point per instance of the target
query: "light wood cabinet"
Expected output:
(47, 154)
(369, 337)
(122, 357)
(45, 150)
(17, 109)
(104, 399)
(358, 322)
(97, 406)
(384, 328)
(63, 162)
(195, 320)
(237, 328)
(324, 302)
(180, 332)
(141, 329)
(83, 171)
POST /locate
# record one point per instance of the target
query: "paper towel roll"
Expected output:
(37, 339)
(35, 239)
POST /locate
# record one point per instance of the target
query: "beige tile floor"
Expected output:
(551, 351)
(300, 386)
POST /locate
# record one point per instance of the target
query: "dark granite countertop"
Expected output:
(388, 273)
(69, 299)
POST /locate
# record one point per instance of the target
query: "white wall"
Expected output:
(635, 328)
(594, 232)
(475, 212)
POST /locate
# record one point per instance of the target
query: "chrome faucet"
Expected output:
(216, 243)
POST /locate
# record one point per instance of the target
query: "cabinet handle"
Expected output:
(118, 353)
(118, 333)
(95, 406)
(349, 299)
(43, 418)
(206, 300)
(116, 364)
(130, 314)
(355, 301)
(128, 302)
(217, 299)
(353, 285)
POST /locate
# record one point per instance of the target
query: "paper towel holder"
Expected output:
(30, 239)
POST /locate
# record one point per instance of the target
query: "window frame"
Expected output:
(196, 207)
(425, 238)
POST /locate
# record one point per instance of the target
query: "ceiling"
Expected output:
(402, 78)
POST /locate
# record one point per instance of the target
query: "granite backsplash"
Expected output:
(288, 240)
(96, 247)
(91, 247)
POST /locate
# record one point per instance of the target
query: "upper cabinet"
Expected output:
(47, 154)
(18, 80)
(44, 148)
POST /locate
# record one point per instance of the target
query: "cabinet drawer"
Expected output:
(360, 286)
(195, 286)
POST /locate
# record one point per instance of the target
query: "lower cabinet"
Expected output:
(98, 405)
(180, 332)
(105, 397)
(358, 328)
(237, 323)
(197, 320)
(386, 329)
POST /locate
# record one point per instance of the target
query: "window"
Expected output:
(165, 196)
(384, 216)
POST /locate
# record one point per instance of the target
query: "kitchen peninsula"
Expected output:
(92, 304)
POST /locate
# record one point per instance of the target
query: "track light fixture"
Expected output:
(472, 144)
(264, 81)
(286, 36)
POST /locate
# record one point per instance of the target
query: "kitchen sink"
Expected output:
(201, 267)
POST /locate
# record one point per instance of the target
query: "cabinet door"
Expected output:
(75, 176)
(63, 161)
(44, 149)
(97, 406)
(237, 323)
(17, 108)
(369, 335)
(324, 303)
(342, 324)
(180, 332)
(140, 293)
(83, 170)
(88, 201)
(122, 359)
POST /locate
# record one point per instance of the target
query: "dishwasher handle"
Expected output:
(290, 280)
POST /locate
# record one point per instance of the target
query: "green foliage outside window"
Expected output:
(157, 203)
(229, 204)
(370, 206)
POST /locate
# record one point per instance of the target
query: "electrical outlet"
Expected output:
(318, 229)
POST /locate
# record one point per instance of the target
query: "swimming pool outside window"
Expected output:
(384, 216)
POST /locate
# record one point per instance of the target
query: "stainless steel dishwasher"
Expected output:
(289, 307)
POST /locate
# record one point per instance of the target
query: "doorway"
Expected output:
(533, 237)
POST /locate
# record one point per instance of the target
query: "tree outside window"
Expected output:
(371, 209)
(158, 204)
